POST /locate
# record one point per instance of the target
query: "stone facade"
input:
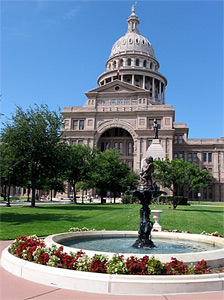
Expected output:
(119, 113)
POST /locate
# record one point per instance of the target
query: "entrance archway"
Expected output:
(119, 139)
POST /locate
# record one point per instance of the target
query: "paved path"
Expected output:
(16, 288)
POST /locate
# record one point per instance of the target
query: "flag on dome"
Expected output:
(118, 68)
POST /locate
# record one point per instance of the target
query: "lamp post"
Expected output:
(29, 184)
(8, 202)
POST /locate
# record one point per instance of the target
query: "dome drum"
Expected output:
(131, 61)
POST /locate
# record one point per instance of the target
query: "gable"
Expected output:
(116, 86)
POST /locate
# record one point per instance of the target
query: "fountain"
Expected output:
(145, 194)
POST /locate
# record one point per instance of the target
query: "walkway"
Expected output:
(16, 288)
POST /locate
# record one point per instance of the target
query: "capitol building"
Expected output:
(120, 112)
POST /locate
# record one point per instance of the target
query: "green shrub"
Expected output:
(179, 200)
(128, 199)
(155, 267)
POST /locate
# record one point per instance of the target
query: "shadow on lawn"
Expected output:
(200, 210)
(77, 207)
(17, 219)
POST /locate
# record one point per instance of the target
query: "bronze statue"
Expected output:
(146, 174)
(155, 127)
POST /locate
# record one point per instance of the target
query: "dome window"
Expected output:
(130, 41)
(129, 62)
(143, 42)
(117, 88)
(114, 64)
(144, 63)
(121, 62)
(137, 62)
(137, 41)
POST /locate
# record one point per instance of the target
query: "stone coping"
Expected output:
(214, 258)
(110, 284)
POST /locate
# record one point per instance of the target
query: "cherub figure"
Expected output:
(146, 174)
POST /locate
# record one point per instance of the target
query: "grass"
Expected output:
(49, 219)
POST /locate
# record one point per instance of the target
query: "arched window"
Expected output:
(114, 64)
(137, 62)
(121, 62)
(144, 63)
(129, 62)
(109, 66)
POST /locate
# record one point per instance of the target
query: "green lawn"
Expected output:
(49, 219)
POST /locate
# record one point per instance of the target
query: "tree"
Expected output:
(109, 173)
(31, 140)
(177, 174)
(197, 178)
(79, 164)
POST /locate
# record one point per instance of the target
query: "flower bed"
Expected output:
(34, 249)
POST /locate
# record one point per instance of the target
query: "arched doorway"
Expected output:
(120, 139)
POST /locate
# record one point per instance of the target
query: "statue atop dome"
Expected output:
(133, 8)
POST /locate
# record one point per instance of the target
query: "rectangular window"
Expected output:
(209, 157)
(75, 124)
(150, 124)
(180, 138)
(116, 146)
(195, 158)
(129, 148)
(190, 157)
(81, 125)
(181, 156)
(175, 155)
(107, 146)
(80, 142)
(121, 148)
(175, 139)
(204, 157)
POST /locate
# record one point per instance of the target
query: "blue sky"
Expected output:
(53, 52)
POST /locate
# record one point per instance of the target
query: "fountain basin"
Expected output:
(122, 284)
(214, 258)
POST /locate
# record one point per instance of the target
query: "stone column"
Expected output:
(133, 79)
(153, 89)
(143, 82)
(138, 155)
(160, 91)
(164, 94)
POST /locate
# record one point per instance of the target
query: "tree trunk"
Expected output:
(101, 195)
(74, 193)
(33, 195)
(174, 194)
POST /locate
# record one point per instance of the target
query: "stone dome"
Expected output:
(132, 41)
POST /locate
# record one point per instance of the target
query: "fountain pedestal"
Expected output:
(145, 194)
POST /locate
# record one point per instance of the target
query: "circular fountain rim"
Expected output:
(214, 258)
(116, 284)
